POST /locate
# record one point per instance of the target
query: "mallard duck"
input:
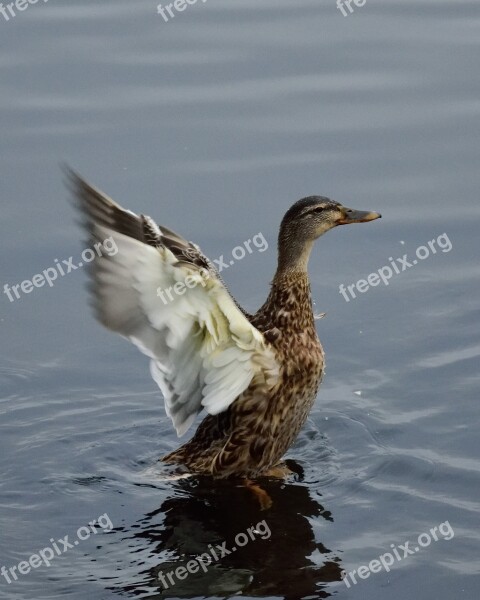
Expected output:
(256, 376)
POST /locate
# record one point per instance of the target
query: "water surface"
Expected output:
(214, 123)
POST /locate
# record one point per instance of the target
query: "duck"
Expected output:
(254, 376)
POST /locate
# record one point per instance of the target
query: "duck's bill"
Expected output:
(358, 216)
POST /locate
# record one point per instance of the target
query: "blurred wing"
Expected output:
(159, 291)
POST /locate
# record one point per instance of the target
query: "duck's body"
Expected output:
(257, 376)
(253, 434)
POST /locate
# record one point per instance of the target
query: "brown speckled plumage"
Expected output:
(257, 429)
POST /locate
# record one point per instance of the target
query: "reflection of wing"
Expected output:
(204, 352)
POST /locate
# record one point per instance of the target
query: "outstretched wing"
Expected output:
(159, 291)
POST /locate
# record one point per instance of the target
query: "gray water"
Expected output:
(213, 123)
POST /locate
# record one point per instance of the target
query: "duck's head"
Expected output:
(307, 220)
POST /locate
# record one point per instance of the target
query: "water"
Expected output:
(214, 123)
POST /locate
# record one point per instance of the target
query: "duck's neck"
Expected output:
(293, 255)
(289, 304)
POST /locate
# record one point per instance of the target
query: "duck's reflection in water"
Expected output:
(275, 554)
